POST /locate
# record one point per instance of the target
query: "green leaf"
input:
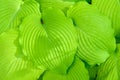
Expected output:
(13, 11)
(57, 4)
(110, 70)
(77, 71)
(51, 43)
(71, 0)
(28, 7)
(95, 34)
(12, 65)
(93, 72)
(43, 1)
(8, 9)
(111, 9)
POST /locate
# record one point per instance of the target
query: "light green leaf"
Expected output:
(13, 64)
(57, 4)
(77, 71)
(28, 7)
(72, 0)
(8, 9)
(51, 43)
(43, 1)
(110, 70)
(111, 9)
(95, 34)
(13, 11)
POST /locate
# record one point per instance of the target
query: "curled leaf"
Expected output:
(95, 34)
(77, 71)
(110, 70)
(111, 9)
(13, 64)
(51, 43)
(13, 11)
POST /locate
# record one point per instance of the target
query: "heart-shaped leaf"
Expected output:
(95, 34)
(52, 44)
(111, 9)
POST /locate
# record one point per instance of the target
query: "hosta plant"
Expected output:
(59, 40)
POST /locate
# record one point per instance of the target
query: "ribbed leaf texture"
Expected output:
(110, 70)
(59, 39)
(111, 9)
(51, 44)
(76, 72)
(13, 64)
(92, 47)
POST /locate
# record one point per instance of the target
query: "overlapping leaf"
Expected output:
(13, 64)
(110, 70)
(76, 72)
(111, 9)
(27, 8)
(52, 44)
(50, 40)
(13, 11)
(95, 34)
